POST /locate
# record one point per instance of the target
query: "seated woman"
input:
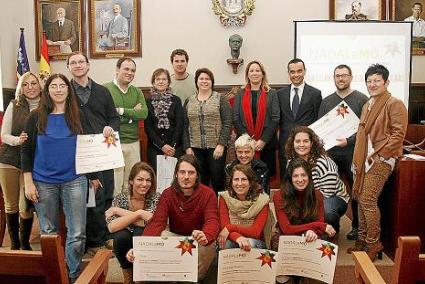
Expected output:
(130, 212)
(304, 143)
(243, 211)
(245, 150)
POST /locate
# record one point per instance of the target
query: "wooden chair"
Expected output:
(409, 265)
(48, 266)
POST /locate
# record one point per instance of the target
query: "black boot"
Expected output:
(12, 221)
(25, 228)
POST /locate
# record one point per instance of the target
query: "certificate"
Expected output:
(340, 122)
(97, 153)
(236, 266)
(165, 166)
(165, 259)
(315, 260)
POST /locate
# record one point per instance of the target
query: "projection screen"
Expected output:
(323, 45)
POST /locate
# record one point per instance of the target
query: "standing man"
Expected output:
(379, 144)
(182, 83)
(131, 106)
(61, 32)
(100, 116)
(418, 23)
(299, 105)
(342, 153)
(117, 28)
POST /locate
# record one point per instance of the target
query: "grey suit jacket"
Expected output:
(67, 31)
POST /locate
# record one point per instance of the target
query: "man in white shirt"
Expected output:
(418, 23)
(61, 32)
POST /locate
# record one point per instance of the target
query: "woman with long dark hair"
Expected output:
(48, 163)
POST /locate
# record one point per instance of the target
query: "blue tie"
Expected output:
(295, 103)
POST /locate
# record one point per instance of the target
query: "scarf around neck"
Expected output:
(247, 209)
(161, 103)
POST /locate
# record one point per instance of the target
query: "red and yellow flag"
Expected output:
(44, 60)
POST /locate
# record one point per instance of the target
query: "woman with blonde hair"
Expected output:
(27, 98)
(256, 112)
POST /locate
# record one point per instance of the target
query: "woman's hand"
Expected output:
(22, 138)
(130, 256)
(168, 150)
(243, 243)
(31, 192)
(330, 230)
(222, 238)
(259, 145)
(189, 151)
(110, 212)
(310, 236)
(200, 237)
(218, 152)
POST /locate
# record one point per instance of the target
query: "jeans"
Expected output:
(123, 242)
(254, 244)
(335, 208)
(72, 195)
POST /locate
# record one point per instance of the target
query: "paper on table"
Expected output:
(340, 122)
(91, 202)
(165, 170)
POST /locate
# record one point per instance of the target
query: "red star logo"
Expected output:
(186, 246)
(267, 258)
(110, 140)
(327, 250)
(342, 110)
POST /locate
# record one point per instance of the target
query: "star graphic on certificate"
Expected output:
(110, 140)
(267, 258)
(342, 110)
(186, 245)
(327, 250)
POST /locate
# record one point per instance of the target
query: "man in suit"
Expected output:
(356, 13)
(61, 32)
(117, 28)
(299, 105)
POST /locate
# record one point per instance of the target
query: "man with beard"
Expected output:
(342, 154)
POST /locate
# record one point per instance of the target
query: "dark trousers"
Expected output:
(123, 242)
(96, 230)
(344, 167)
(212, 170)
(268, 156)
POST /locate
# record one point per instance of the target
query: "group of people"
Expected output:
(185, 118)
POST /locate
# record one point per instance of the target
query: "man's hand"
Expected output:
(200, 237)
(107, 131)
(138, 106)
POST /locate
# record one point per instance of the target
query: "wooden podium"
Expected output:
(402, 201)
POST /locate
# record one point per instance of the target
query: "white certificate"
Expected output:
(165, 259)
(236, 266)
(165, 166)
(315, 260)
(97, 153)
(340, 122)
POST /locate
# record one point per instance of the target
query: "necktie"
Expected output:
(295, 103)
(60, 24)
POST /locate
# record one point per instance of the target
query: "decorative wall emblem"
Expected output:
(233, 12)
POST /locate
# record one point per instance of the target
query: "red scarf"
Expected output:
(254, 131)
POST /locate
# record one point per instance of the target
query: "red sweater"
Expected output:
(285, 225)
(254, 231)
(185, 214)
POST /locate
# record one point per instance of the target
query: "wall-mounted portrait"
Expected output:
(62, 22)
(114, 28)
(412, 11)
(357, 10)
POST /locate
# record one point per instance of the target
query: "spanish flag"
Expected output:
(44, 60)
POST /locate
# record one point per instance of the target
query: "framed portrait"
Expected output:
(362, 10)
(412, 11)
(114, 28)
(63, 23)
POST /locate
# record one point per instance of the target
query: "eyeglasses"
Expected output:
(79, 62)
(342, 76)
(60, 86)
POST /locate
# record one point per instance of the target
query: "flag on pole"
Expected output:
(22, 64)
(44, 71)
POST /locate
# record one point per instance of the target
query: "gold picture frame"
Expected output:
(233, 12)
(362, 10)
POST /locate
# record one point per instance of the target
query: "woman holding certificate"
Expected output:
(305, 144)
(164, 124)
(48, 164)
(243, 211)
(19, 217)
(130, 212)
(256, 112)
(299, 206)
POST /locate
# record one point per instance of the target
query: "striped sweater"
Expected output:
(327, 180)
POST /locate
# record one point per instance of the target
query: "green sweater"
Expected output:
(129, 127)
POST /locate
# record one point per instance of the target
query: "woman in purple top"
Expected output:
(48, 163)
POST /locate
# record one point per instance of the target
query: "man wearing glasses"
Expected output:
(342, 154)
